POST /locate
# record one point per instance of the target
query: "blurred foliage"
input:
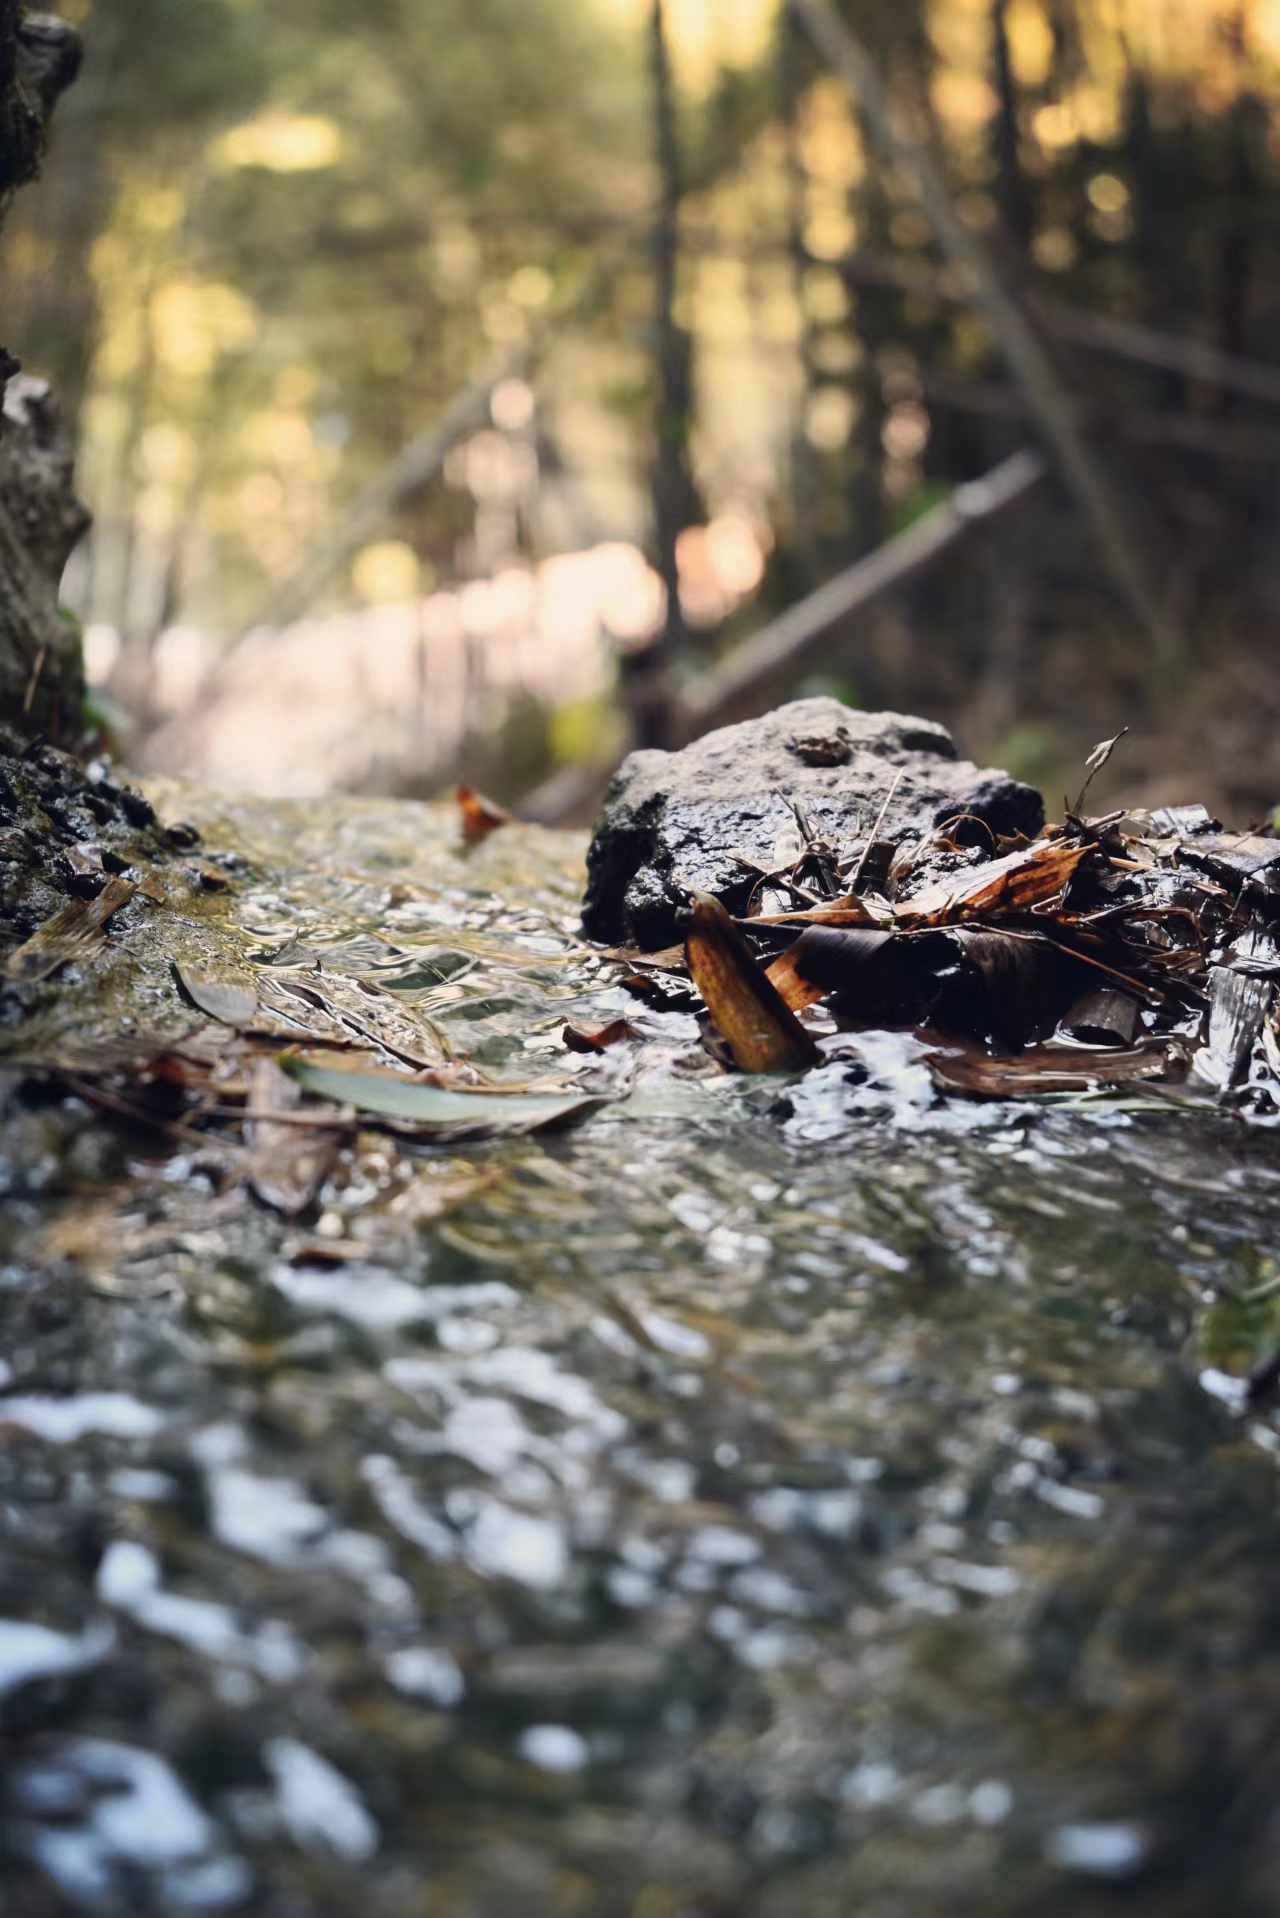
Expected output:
(1031, 752)
(275, 238)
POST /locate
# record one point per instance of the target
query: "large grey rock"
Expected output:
(692, 821)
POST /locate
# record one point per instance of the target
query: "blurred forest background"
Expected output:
(416, 352)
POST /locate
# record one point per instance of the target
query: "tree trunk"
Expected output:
(41, 674)
(675, 500)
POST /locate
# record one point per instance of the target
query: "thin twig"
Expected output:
(875, 830)
(111, 1102)
(37, 668)
(265, 1115)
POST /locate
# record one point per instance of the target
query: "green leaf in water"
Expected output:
(438, 1108)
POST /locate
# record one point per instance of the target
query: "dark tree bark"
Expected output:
(41, 675)
(804, 489)
(39, 58)
(1016, 210)
(675, 499)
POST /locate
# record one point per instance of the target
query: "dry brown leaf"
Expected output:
(958, 1067)
(762, 1033)
(795, 991)
(614, 1034)
(1016, 883)
(827, 959)
(74, 932)
(851, 910)
(480, 816)
(667, 959)
(227, 996)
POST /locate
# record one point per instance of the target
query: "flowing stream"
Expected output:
(789, 1499)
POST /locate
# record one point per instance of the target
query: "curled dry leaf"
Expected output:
(795, 991)
(1103, 750)
(960, 1067)
(849, 910)
(74, 932)
(480, 816)
(825, 959)
(762, 1033)
(614, 1034)
(227, 996)
(1018, 883)
(668, 959)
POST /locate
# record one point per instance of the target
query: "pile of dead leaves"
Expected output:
(1129, 947)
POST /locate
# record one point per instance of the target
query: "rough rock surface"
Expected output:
(41, 678)
(695, 820)
(64, 831)
(41, 675)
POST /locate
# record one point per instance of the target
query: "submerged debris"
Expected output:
(266, 1073)
(357, 1056)
(616, 1033)
(288, 1163)
(227, 996)
(435, 1109)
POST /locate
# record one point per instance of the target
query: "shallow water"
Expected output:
(764, 1498)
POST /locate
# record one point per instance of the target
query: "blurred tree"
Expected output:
(41, 675)
(675, 501)
(301, 227)
(156, 73)
(304, 260)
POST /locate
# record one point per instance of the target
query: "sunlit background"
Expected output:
(276, 242)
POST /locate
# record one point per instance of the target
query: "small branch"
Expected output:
(784, 645)
(37, 667)
(874, 834)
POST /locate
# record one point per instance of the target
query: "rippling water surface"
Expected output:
(771, 1498)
